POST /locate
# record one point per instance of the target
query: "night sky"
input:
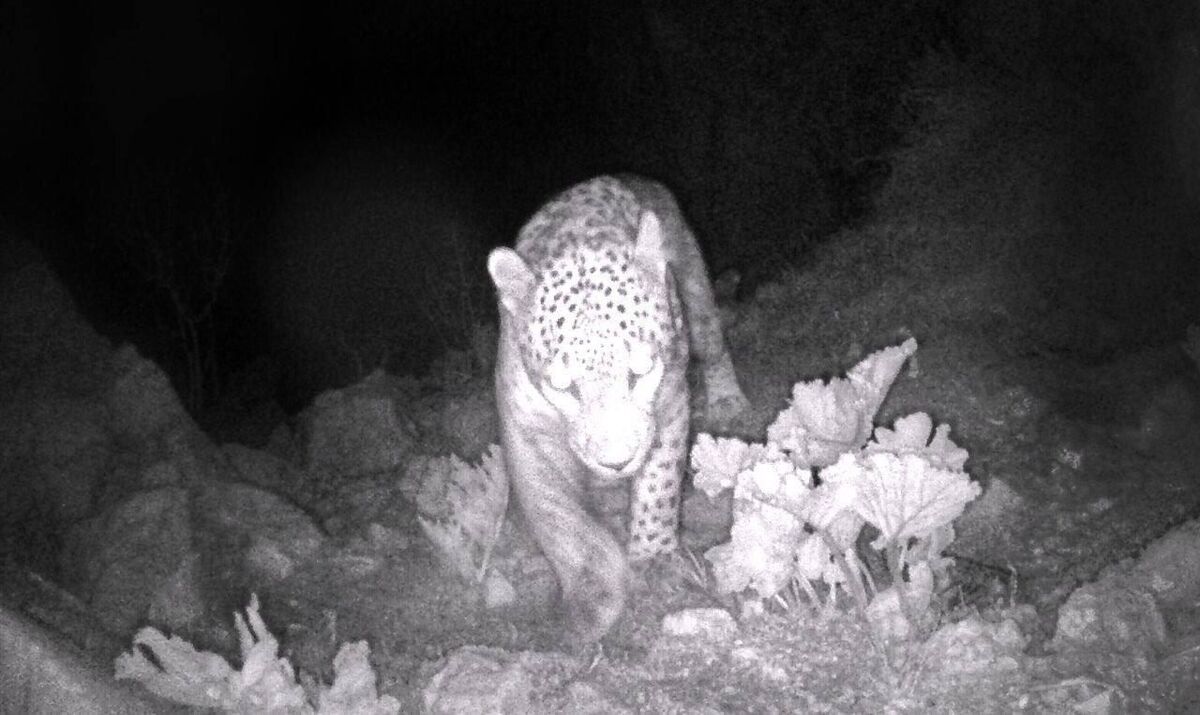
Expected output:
(92, 91)
(488, 90)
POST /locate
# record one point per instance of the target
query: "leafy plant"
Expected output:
(462, 509)
(802, 499)
(266, 682)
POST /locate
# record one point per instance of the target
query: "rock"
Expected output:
(386, 539)
(470, 424)
(122, 558)
(66, 448)
(48, 348)
(710, 623)
(242, 513)
(107, 473)
(142, 405)
(1099, 704)
(587, 699)
(264, 469)
(1109, 616)
(498, 592)
(141, 554)
(355, 431)
(284, 444)
(267, 560)
(479, 680)
(178, 602)
(974, 645)
(1169, 569)
(55, 442)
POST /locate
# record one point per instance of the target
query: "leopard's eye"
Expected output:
(560, 380)
(641, 359)
(558, 373)
(558, 390)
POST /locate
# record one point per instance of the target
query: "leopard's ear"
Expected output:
(514, 281)
(649, 252)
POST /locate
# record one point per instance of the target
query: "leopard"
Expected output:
(603, 300)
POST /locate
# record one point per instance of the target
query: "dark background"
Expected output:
(305, 193)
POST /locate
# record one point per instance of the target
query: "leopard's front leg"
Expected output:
(588, 561)
(655, 498)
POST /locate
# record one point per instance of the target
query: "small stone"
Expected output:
(713, 623)
(497, 591)
(265, 558)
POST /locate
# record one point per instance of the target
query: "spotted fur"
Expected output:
(601, 302)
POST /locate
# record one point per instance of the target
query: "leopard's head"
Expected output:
(598, 322)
